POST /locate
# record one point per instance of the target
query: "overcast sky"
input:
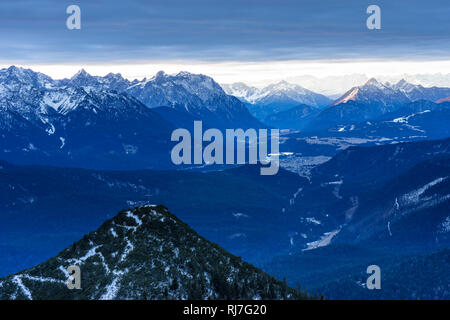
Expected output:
(223, 38)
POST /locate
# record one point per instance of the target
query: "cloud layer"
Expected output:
(138, 31)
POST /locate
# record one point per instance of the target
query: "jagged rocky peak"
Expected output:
(83, 77)
(17, 75)
(183, 87)
(372, 82)
(279, 94)
(112, 81)
(160, 74)
(145, 253)
(81, 74)
(402, 82)
(404, 85)
(114, 76)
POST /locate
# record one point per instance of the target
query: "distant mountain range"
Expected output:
(289, 106)
(146, 254)
(392, 94)
(369, 102)
(334, 86)
(373, 100)
(275, 98)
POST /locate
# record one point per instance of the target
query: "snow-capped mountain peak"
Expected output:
(374, 82)
(280, 92)
(374, 91)
(275, 97)
(14, 77)
(84, 79)
(145, 253)
(81, 74)
(374, 85)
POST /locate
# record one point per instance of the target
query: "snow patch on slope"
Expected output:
(324, 240)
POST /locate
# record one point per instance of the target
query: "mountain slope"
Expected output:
(410, 210)
(357, 212)
(293, 118)
(145, 253)
(345, 194)
(417, 277)
(373, 100)
(367, 167)
(418, 92)
(421, 119)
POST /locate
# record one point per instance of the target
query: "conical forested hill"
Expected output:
(145, 253)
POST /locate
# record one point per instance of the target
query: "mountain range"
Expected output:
(335, 85)
(107, 122)
(368, 102)
(416, 120)
(288, 106)
(392, 94)
(373, 100)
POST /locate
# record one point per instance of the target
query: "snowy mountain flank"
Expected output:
(145, 253)
(392, 94)
(196, 94)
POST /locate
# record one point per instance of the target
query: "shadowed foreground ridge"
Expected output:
(146, 253)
